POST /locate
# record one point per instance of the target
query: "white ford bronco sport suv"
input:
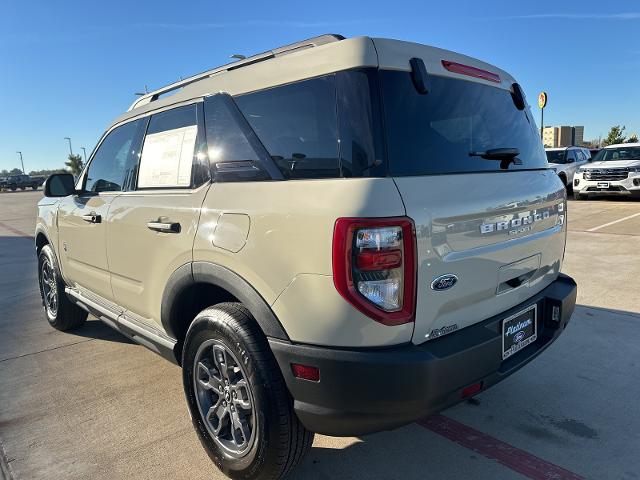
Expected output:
(337, 236)
(615, 170)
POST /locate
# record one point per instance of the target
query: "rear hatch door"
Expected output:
(490, 233)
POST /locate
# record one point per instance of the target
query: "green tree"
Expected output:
(75, 164)
(15, 171)
(46, 172)
(615, 135)
(633, 138)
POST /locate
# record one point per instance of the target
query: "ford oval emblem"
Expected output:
(444, 282)
(518, 337)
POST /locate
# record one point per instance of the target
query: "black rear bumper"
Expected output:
(368, 390)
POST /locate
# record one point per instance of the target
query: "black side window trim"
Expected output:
(265, 160)
(130, 185)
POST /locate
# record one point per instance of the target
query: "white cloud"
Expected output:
(579, 16)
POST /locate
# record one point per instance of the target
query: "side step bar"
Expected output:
(139, 332)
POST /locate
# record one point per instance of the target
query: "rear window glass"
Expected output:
(434, 133)
(297, 124)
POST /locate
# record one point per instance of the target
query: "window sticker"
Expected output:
(167, 158)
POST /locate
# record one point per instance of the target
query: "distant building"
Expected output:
(578, 135)
(562, 136)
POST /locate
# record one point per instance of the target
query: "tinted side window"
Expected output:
(234, 150)
(298, 126)
(359, 120)
(436, 132)
(114, 161)
(169, 148)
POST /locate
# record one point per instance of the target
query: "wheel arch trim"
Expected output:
(213, 274)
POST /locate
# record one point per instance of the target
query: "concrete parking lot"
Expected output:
(90, 404)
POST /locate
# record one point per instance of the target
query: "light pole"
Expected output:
(21, 162)
(70, 149)
(85, 154)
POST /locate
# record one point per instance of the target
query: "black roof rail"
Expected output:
(260, 57)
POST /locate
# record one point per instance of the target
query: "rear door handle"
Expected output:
(92, 217)
(165, 227)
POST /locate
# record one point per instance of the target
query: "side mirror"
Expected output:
(59, 185)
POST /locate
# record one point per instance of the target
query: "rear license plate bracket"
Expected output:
(519, 330)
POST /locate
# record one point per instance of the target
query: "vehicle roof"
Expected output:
(314, 57)
(618, 145)
(557, 149)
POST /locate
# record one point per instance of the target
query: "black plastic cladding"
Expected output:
(419, 75)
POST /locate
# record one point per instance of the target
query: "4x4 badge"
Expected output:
(444, 282)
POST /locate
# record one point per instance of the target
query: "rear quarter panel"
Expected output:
(286, 254)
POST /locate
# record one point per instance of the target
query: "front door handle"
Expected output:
(92, 217)
(164, 227)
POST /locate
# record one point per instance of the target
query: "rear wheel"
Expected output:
(61, 313)
(34, 187)
(13, 188)
(238, 400)
(563, 178)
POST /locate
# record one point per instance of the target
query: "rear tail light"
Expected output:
(374, 267)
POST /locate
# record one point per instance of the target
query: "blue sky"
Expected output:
(69, 68)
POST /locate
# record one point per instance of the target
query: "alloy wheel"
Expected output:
(49, 287)
(224, 398)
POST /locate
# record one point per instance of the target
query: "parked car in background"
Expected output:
(566, 161)
(23, 182)
(615, 170)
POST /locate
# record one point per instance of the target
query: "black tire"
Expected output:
(563, 179)
(66, 315)
(577, 196)
(34, 187)
(13, 188)
(22, 188)
(279, 440)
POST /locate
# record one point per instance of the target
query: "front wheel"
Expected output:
(577, 196)
(239, 404)
(34, 187)
(61, 313)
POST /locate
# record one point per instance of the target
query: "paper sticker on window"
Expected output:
(167, 158)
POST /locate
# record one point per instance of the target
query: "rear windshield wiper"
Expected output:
(506, 156)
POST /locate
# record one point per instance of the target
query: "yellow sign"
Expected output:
(542, 99)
